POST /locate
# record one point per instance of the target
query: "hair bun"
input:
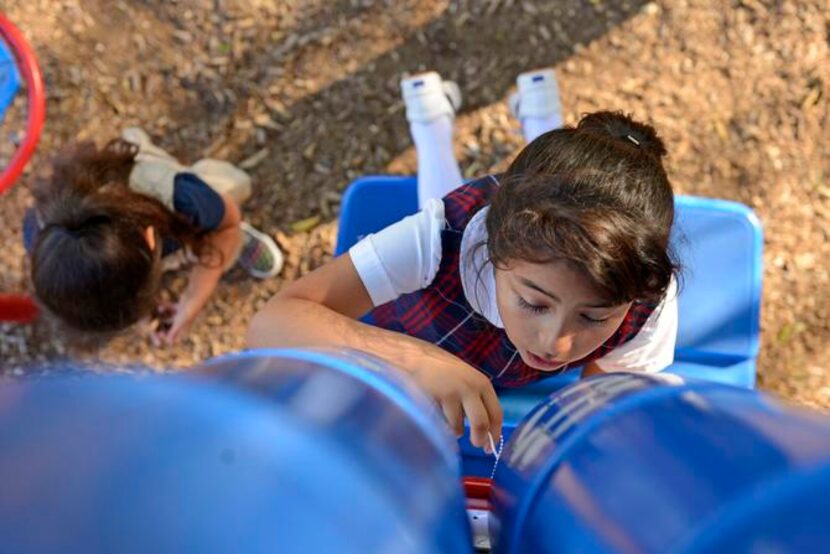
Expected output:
(75, 214)
(623, 127)
(84, 222)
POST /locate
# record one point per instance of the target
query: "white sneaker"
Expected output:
(538, 95)
(427, 97)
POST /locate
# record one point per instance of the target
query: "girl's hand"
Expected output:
(174, 321)
(460, 391)
(160, 321)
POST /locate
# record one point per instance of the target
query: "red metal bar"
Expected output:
(29, 69)
(18, 308)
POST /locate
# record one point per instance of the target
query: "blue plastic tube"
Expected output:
(279, 451)
(650, 463)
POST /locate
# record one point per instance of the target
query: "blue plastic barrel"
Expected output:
(650, 463)
(266, 451)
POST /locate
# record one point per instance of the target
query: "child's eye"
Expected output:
(592, 321)
(532, 307)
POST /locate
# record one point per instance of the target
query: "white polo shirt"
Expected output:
(405, 257)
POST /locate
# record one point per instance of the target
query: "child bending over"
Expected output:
(109, 221)
(560, 262)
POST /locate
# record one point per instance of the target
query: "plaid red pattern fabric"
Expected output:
(441, 314)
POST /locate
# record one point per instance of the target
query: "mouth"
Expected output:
(541, 363)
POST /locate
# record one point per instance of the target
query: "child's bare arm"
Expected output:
(319, 310)
(203, 279)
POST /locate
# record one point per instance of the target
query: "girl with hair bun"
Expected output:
(108, 221)
(561, 262)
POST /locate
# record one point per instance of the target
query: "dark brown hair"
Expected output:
(91, 264)
(595, 196)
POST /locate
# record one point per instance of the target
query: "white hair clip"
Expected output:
(632, 139)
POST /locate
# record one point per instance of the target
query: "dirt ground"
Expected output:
(304, 94)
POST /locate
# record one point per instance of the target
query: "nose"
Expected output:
(556, 342)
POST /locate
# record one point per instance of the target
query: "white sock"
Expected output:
(532, 127)
(438, 171)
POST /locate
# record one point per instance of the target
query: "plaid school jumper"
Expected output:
(441, 314)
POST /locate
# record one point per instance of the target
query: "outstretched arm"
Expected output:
(203, 279)
(319, 310)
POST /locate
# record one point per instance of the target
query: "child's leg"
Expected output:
(430, 110)
(155, 170)
(258, 254)
(154, 174)
(224, 178)
(438, 172)
(537, 104)
(532, 127)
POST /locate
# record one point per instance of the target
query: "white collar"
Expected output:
(478, 277)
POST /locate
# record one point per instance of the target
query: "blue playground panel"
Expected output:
(9, 78)
(719, 243)
(266, 451)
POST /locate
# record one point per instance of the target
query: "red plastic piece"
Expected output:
(17, 308)
(477, 487)
(477, 490)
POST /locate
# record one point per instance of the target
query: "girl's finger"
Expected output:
(174, 332)
(496, 417)
(454, 415)
(479, 420)
(179, 326)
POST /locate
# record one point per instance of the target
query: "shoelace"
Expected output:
(496, 452)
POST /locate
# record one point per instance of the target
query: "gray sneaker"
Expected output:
(260, 256)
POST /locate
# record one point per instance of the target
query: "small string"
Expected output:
(496, 452)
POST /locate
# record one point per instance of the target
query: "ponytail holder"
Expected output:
(77, 230)
(74, 232)
(632, 139)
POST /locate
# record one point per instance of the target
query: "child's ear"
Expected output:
(150, 235)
